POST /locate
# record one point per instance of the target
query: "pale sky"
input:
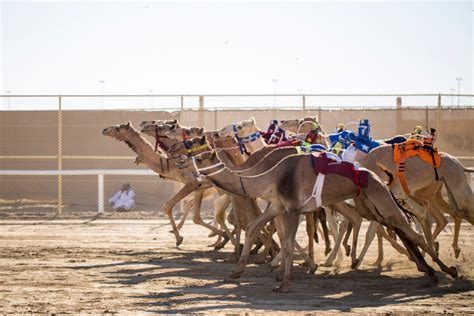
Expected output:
(209, 47)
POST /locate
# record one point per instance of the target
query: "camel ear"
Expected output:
(128, 124)
(175, 121)
(202, 141)
(252, 119)
(201, 130)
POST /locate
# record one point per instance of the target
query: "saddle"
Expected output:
(325, 165)
(411, 148)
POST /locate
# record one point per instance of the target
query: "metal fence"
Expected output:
(63, 133)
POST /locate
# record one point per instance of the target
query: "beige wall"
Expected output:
(36, 133)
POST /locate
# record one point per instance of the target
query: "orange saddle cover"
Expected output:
(411, 148)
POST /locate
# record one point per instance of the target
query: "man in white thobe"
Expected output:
(123, 199)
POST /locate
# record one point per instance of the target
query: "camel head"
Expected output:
(158, 122)
(293, 124)
(183, 133)
(157, 129)
(190, 147)
(197, 164)
(244, 128)
(223, 142)
(119, 132)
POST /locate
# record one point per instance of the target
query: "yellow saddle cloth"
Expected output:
(412, 148)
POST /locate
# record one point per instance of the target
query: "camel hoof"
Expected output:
(235, 275)
(218, 246)
(376, 263)
(283, 288)
(313, 269)
(348, 250)
(260, 260)
(355, 264)
(179, 240)
(212, 234)
(327, 264)
(452, 271)
(327, 251)
(457, 252)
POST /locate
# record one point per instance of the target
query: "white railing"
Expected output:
(85, 172)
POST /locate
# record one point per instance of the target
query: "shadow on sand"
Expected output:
(194, 278)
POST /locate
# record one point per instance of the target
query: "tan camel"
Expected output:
(421, 180)
(166, 168)
(244, 130)
(288, 186)
(251, 209)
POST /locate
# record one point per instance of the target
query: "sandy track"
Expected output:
(133, 266)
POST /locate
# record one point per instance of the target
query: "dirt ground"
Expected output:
(125, 266)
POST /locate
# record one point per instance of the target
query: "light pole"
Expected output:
(151, 97)
(102, 82)
(459, 88)
(452, 96)
(275, 80)
(8, 99)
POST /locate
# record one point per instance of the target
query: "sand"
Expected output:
(133, 266)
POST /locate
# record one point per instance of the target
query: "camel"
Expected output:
(247, 135)
(288, 186)
(166, 168)
(251, 209)
(421, 180)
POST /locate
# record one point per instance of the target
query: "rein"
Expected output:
(198, 170)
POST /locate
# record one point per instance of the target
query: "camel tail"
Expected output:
(387, 172)
(410, 216)
(468, 169)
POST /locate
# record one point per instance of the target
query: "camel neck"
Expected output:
(255, 145)
(147, 154)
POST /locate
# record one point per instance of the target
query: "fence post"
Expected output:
(181, 110)
(201, 111)
(100, 193)
(319, 116)
(60, 154)
(398, 122)
(303, 105)
(438, 130)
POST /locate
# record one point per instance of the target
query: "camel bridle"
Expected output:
(245, 140)
(159, 143)
(198, 170)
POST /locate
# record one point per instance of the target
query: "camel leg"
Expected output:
(345, 244)
(392, 241)
(289, 246)
(188, 206)
(197, 219)
(441, 204)
(221, 204)
(169, 206)
(384, 205)
(310, 231)
(322, 220)
(355, 237)
(416, 255)
(369, 237)
(378, 262)
(332, 224)
(336, 251)
(250, 234)
(457, 226)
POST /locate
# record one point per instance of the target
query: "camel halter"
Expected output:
(198, 170)
(159, 143)
(245, 140)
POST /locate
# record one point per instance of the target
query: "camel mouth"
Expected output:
(107, 131)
